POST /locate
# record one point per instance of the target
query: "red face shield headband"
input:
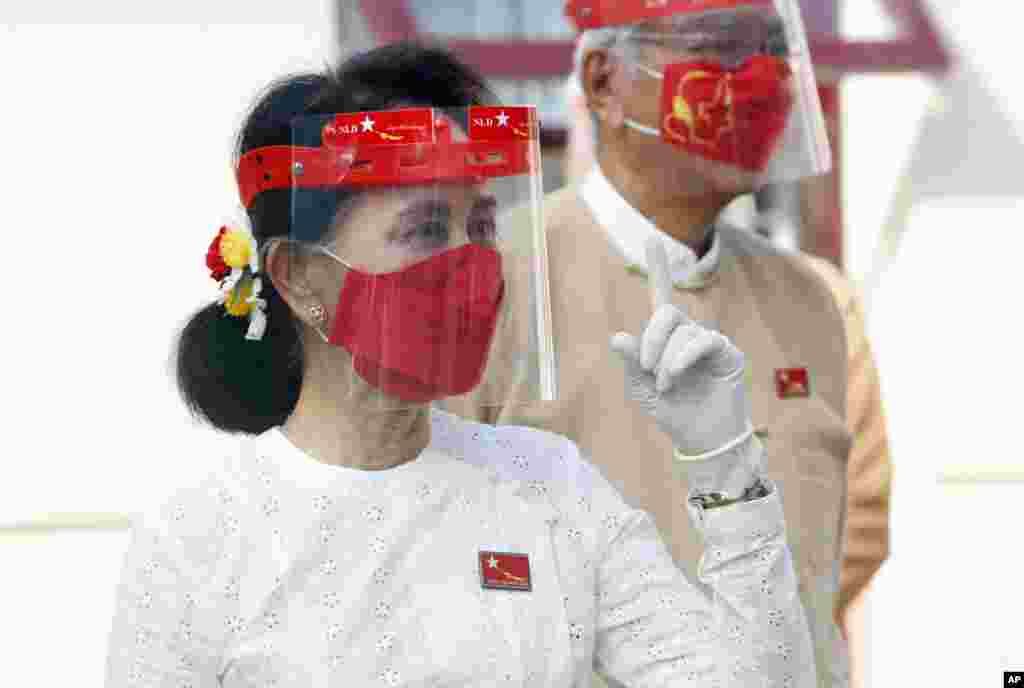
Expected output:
(394, 148)
(595, 14)
(422, 333)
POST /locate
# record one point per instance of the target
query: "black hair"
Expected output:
(240, 385)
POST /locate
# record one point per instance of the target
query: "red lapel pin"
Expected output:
(792, 383)
(505, 571)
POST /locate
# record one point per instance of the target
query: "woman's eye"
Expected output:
(482, 224)
(482, 229)
(434, 231)
(427, 235)
(424, 226)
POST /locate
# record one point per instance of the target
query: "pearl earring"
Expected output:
(318, 313)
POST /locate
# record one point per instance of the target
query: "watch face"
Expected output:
(756, 491)
(712, 500)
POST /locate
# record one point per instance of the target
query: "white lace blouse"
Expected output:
(279, 570)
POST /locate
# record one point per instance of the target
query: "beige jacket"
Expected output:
(827, 451)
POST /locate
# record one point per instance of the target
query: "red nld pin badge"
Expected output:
(792, 383)
(505, 571)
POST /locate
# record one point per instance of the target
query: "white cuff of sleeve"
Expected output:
(747, 434)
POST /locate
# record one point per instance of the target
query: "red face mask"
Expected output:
(422, 333)
(734, 116)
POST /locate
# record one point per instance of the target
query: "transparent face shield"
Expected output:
(399, 232)
(737, 98)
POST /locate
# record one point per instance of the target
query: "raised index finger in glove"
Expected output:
(658, 274)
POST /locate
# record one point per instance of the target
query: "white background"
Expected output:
(117, 122)
(117, 172)
(946, 609)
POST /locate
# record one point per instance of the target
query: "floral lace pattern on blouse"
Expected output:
(278, 570)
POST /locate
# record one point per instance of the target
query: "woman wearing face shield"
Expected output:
(361, 537)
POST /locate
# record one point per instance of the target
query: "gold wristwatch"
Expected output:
(715, 500)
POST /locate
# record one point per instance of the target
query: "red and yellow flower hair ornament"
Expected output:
(234, 262)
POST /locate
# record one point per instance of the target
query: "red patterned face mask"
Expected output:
(734, 115)
(422, 333)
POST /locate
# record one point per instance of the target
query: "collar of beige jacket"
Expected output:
(629, 231)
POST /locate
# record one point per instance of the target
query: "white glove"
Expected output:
(690, 380)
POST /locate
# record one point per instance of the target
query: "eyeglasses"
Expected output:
(717, 36)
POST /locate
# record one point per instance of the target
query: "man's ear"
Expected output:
(286, 267)
(599, 75)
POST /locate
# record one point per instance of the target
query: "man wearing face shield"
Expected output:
(694, 103)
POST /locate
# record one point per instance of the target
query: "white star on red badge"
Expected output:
(367, 124)
(502, 119)
(492, 562)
